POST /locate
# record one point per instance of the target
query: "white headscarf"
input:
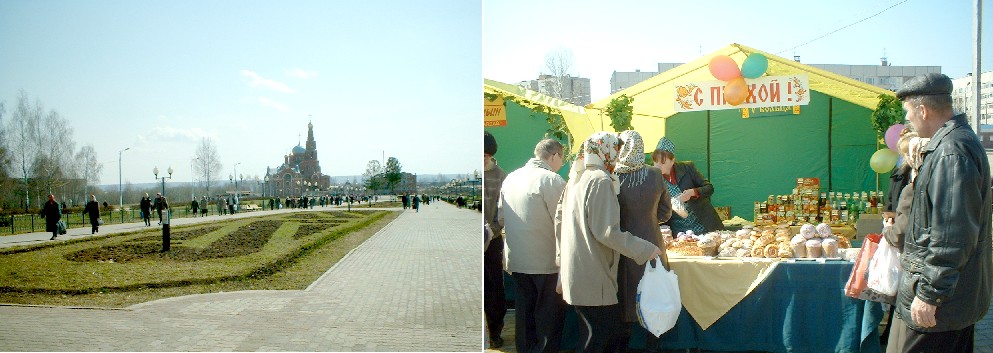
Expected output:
(601, 150)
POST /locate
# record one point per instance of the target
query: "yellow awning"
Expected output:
(654, 97)
(580, 125)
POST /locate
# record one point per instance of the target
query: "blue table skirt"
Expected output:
(799, 308)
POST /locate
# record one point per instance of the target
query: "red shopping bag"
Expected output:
(857, 280)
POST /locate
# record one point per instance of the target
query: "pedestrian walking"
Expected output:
(93, 209)
(416, 203)
(195, 206)
(947, 278)
(146, 209)
(203, 207)
(52, 215)
(158, 206)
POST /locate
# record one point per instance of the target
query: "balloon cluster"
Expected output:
(725, 69)
(886, 159)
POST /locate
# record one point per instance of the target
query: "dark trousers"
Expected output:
(494, 298)
(601, 329)
(159, 211)
(904, 339)
(539, 313)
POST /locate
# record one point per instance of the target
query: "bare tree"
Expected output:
(21, 139)
(208, 162)
(372, 177)
(89, 167)
(558, 63)
(5, 183)
(55, 139)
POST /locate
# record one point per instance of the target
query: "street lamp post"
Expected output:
(165, 204)
(266, 188)
(120, 178)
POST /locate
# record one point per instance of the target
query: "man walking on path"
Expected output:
(158, 206)
(526, 210)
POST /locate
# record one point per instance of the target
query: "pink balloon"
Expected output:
(892, 136)
(724, 68)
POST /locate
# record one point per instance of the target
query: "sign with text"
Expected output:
(763, 92)
(494, 112)
(769, 111)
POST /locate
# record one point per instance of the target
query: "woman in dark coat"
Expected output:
(687, 185)
(52, 215)
(644, 201)
(146, 210)
(93, 208)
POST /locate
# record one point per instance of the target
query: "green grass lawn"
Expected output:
(286, 251)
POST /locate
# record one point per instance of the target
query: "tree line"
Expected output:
(39, 155)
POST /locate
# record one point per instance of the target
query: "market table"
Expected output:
(795, 307)
(799, 307)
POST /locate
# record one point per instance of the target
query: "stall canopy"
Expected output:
(518, 119)
(749, 154)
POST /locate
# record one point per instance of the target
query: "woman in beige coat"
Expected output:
(591, 244)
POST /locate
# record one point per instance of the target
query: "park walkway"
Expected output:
(413, 286)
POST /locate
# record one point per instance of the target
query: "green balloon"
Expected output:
(754, 66)
(883, 160)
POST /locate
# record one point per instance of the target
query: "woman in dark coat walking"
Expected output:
(146, 210)
(93, 208)
(52, 215)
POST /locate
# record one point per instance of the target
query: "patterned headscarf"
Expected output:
(666, 145)
(601, 150)
(632, 155)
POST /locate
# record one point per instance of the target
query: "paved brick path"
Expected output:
(414, 286)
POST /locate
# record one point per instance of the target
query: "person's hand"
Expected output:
(686, 195)
(658, 253)
(558, 285)
(922, 313)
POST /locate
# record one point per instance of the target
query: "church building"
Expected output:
(300, 174)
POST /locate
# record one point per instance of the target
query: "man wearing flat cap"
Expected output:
(494, 301)
(946, 284)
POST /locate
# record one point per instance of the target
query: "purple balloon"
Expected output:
(892, 136)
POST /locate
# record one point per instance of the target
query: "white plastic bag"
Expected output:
(658, 301)
(884, 270)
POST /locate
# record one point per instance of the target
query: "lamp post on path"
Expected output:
(120, 179)
(165, 204)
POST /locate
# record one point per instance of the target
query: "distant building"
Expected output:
(884, 76)
(575, 90)
(963, 100)
(300, 172)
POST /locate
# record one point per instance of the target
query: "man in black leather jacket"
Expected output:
(946, 284)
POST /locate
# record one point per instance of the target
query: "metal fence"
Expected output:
(30, 223)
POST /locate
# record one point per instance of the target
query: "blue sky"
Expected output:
(626, 35)
(375, 76)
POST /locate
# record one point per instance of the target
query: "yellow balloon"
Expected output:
(883, 160)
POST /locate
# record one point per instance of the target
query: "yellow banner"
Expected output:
(494, 112)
